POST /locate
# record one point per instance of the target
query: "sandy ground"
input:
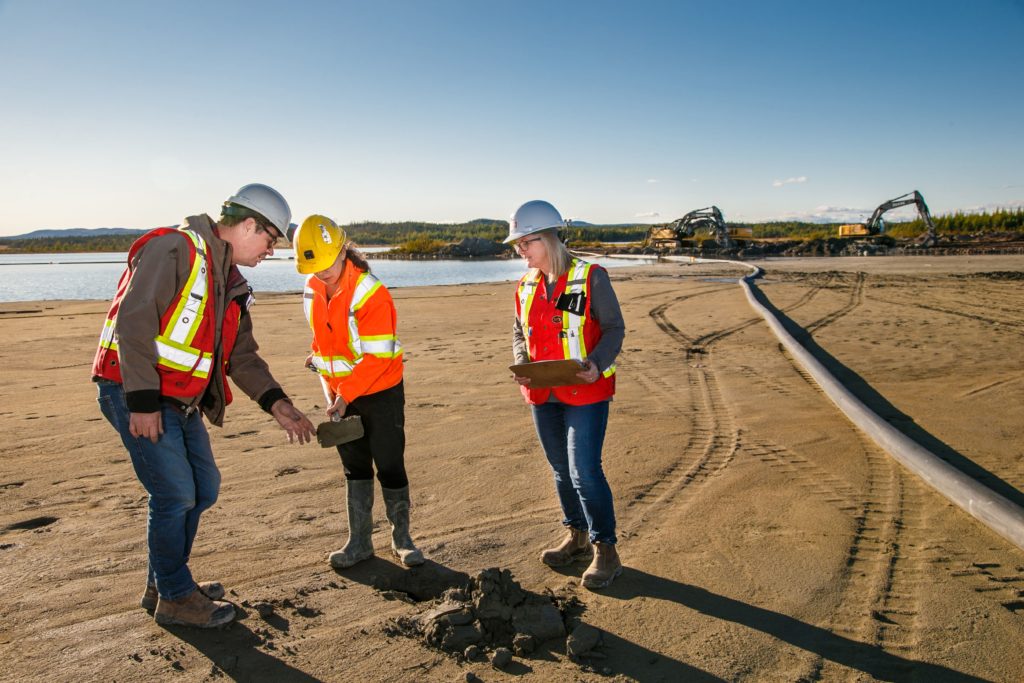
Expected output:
(764, 537)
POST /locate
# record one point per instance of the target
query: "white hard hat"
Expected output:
(532, 217)
(265, 201)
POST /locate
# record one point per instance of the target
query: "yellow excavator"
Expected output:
(671, 235)
(876, 226)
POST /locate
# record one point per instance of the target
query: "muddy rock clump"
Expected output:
(491, 613)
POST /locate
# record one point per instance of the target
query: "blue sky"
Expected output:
(135, 114)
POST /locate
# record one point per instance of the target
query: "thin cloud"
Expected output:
(649, 214)
(790, 181)
(1011, 205)
(851, 214)
(827, 214)
(652, 180)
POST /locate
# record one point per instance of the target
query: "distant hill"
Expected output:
(76, 232)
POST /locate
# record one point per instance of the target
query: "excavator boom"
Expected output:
(874, 224)
(682, 228)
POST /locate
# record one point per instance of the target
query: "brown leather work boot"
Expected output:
(195, 609)
(575, 543)
(603, 568)
(211, 589)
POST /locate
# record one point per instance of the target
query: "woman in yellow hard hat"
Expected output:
(357, 353)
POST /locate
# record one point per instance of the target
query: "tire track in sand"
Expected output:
(780, 386)
(699, 344)
(881, 582)
(895, 544)
(856, 299)
(712, 435)
(1016, 326)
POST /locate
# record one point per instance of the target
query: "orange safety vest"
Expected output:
(355, 342)
(554, 334)
(185, 342)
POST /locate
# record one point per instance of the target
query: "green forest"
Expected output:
(418, 236)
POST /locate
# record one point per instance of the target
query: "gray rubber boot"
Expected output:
(396, 502)
(359, 547)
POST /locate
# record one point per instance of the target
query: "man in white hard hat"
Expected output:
(178, 326)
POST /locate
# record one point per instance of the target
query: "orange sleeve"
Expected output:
(381, 364)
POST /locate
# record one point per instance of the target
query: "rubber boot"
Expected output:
(576, 543)
(359, 547)
(396, 502)
(603, 568)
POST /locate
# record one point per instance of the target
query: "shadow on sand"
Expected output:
(887, 411)
(631, 659)
(235, 652)
(869, 659)
(425, 582)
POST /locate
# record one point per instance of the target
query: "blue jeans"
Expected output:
(182, 480)
(572, 437)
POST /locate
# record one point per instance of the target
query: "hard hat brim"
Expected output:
(519, 234)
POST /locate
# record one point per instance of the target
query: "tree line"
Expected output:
(413, 233)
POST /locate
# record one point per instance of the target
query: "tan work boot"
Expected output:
(603, 568)
(195, 609)
(359, 495)
(211, 589)
(576, 543)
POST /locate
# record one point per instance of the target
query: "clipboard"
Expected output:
(545, 374)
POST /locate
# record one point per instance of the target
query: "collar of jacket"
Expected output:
(220, 254)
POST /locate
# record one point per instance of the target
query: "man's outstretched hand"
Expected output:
(293, 421)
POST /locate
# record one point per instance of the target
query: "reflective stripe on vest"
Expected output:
(173, 344)
(573, 344)
(382, 346)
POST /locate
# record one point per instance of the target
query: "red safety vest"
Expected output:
(553, 334)
(185, 342)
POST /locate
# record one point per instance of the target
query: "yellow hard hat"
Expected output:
(317, 243)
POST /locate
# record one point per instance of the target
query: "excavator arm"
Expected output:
(709, 217)
(874, 224)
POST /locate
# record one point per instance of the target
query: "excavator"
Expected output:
(671, 236)
(876, 226)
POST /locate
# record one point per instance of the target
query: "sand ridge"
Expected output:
(764, 537)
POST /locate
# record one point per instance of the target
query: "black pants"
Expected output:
(383, 442)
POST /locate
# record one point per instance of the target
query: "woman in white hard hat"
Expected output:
(356, 351)
(566, 309)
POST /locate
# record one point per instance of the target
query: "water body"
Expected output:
(45, 277)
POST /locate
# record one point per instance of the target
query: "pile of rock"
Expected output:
(496, 617)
